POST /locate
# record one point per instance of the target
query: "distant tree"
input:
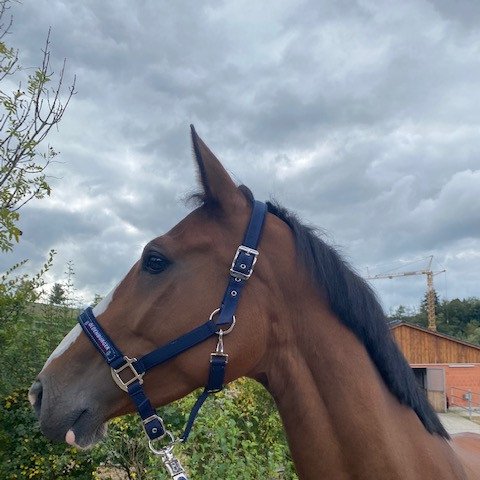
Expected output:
(17, 292)
(57, 295)
(71, 293)
(472, 332)
(424, 304)
(458, 318)
(401, 313)
(62, 306)
(97, 299)
(27, 114)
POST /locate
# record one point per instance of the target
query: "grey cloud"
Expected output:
(463, 13)
(360, 117)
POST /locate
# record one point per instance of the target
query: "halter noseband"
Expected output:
(240, 271)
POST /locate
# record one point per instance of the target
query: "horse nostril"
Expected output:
(35, 396)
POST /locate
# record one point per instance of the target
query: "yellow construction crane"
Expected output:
(432, 324)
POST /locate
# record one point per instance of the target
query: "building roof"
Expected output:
(397, 323)
(422, 346)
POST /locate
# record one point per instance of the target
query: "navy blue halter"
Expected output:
(122, 366)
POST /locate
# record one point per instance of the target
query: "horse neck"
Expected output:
(341, 420)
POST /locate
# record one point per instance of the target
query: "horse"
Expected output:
(308, 328)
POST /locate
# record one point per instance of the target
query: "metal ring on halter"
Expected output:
(166, 448)
(229, 329)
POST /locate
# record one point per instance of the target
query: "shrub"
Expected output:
(26, 453)
(236, 436)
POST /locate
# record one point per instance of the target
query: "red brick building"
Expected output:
(448, 368)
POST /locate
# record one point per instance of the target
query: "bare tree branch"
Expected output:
(26, 120)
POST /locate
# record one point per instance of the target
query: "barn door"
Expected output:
(436, 388)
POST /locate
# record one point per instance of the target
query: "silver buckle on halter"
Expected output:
(148, 420)
(248, 251)
(136, 376)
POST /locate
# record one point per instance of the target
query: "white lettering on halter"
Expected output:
(77, 329)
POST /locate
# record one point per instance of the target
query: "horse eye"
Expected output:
(155, 263)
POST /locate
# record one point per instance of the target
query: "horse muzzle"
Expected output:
(66, 417)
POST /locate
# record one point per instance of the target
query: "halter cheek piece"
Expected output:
(123, 366)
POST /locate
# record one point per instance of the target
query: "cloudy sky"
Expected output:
(362, 116)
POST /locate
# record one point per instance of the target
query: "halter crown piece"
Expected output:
(123, 366)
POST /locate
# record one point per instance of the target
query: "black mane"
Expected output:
(355, 303)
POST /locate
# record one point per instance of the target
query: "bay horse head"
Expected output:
(308, 328)
(174, 287)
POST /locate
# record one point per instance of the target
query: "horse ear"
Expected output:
(218, 186)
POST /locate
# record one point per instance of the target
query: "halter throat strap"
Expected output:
(128, 372)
